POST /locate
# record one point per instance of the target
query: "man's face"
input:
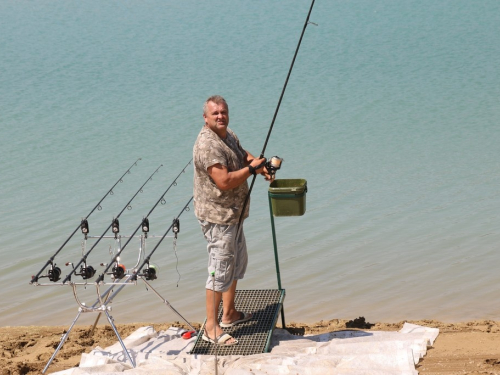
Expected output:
(217, 118)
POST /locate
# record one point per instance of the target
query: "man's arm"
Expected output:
(248, 158)
(226, 180)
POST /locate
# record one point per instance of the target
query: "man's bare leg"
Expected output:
(212, 303)
(229, 312)
(212, 323)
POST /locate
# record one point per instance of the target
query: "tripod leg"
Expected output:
(63, 340)
(95, 324)
(99, 315)
(110, 320)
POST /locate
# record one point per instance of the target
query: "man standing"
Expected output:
(221, 170)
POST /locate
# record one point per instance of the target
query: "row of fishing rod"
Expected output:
(145, 269)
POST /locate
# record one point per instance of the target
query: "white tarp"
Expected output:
(336, 353)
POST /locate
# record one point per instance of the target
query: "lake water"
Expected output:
(391, 114)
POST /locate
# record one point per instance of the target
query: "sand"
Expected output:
(461, 348)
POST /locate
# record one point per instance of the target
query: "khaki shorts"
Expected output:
(227, 255)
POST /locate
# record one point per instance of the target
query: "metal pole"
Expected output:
(276, 259)
(275, 245)
(110, 320)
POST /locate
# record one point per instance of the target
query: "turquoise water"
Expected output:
(391, 115)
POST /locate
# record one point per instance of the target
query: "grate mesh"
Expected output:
(254, 335)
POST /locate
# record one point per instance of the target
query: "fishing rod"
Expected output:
(88, 272)
(287, 78)
(273, 164)
(84, 226)
(144, 224)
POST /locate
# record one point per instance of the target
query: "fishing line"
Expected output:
(144, 223)
(83, 225)
(115, 225)
(176, 228)
(147, 259)
(275, 163)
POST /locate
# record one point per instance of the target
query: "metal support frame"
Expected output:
(278, 275)
(83, 309)
(101, 306)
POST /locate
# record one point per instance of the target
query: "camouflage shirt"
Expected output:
(211, 203)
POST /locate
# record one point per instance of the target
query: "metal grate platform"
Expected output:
(254, 336)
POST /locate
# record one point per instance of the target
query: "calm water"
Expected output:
(391, 115)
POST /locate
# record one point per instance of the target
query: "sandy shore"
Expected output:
(461, 348)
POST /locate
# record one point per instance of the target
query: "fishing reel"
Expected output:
(54, 273)
(273, 165)
(118, 271)
(150, 273)
(86, 272)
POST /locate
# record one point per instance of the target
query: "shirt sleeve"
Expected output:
(211, 154)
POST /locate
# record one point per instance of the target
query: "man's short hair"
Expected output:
(217, 99)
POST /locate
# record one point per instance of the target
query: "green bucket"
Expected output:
(288, 197)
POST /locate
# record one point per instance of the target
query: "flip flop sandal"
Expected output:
(221, 340)
(243, 318)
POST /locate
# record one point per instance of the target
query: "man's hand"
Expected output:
(258, 164)
(267, 176)
(260, 168)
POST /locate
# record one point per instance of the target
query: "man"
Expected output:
(221, 170)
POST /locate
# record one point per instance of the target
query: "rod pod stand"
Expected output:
(142, 247)
(102, 306)
(104, 299)
(84, 309)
